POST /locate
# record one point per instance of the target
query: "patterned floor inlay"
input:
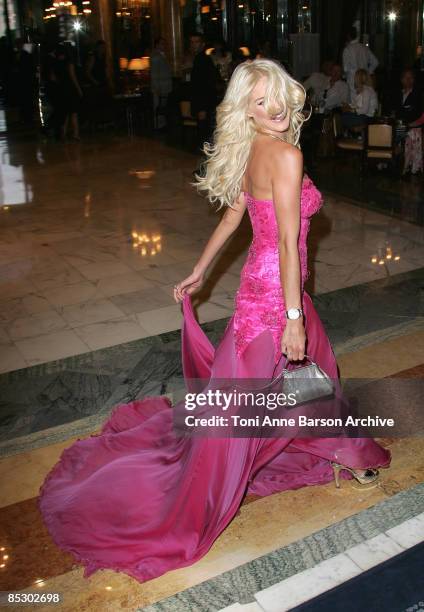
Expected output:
(32, 554)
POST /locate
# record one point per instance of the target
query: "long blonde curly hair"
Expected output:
(227, 155)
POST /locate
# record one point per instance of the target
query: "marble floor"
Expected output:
(92, 238)
(94, 235)
(375, 190)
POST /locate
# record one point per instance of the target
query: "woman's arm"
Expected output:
(227, 226)
(74, 79)
(418, 122)
(287, 175)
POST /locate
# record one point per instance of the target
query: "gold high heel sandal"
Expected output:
(369, 476)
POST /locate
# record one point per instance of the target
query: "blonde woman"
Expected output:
(138, 497)
(365, 102)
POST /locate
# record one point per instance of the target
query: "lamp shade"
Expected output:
(145, 60)
(136, 64)
(139, 63)
(123, 63)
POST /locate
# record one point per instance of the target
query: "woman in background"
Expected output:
(68, 92)
(364, 104)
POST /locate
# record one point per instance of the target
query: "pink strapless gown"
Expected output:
(136, 498)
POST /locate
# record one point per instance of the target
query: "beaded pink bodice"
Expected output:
(259, 302)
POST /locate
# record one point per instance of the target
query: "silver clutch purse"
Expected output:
(306, 383)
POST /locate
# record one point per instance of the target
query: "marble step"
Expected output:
(327, 574)
(237, 607)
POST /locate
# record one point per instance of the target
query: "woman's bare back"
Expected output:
(257, 177)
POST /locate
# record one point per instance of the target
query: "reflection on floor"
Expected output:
(96, 234)
(83, 301)
(376, 189)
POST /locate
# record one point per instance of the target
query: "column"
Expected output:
(102, 21)
(171, 30)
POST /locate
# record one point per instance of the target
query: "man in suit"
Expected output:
(337, 93)
(408, 101)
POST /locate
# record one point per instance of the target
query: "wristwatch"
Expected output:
(294, 313)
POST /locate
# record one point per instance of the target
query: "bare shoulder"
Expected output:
(287, 152)
(286, 157)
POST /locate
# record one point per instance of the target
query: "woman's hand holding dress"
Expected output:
(188, 286)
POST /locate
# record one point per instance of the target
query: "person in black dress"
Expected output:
(68, 93)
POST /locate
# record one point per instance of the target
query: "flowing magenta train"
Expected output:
(139, 499)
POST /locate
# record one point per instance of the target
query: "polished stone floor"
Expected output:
(73, 395)
(374, 190)
(93, 237)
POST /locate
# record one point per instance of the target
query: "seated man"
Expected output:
(337, 93)
(318, 82)
(408, 98)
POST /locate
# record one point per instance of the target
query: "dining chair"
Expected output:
(346, 144)
(380, 143)
(326, 141)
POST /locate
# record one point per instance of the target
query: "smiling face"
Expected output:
(264, 122)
